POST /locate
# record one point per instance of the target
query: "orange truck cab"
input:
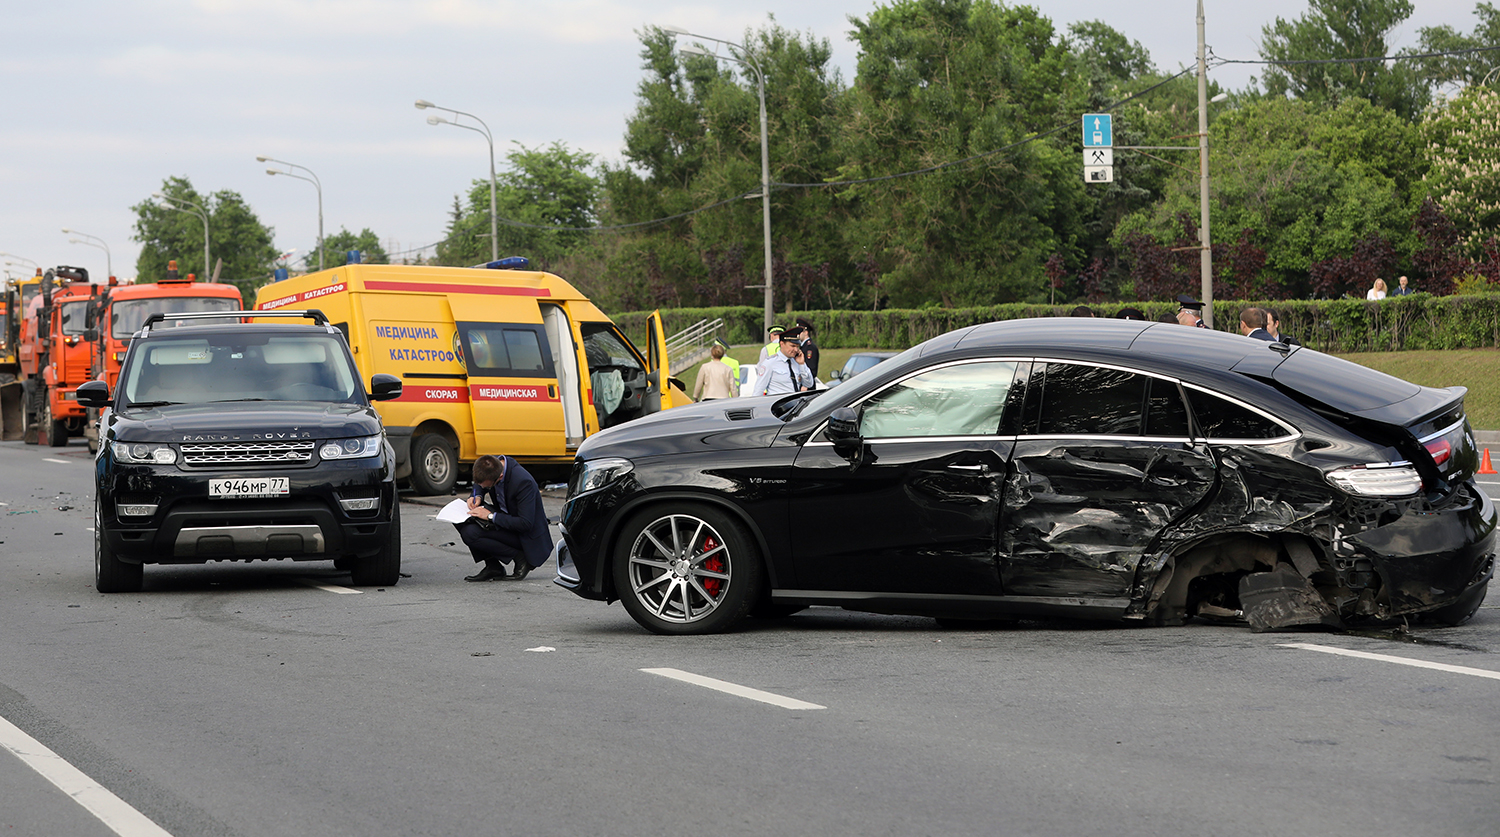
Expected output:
(54, 356)
(120, 310)
(497, 359)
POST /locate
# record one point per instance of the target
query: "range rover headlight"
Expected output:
(356, 448)
(1374, 481)
(145, 453)
(597, 473)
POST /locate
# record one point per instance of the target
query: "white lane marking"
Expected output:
(110, 809)
(1386, 658)
(58, 461)
(733, 688)
(332, 588)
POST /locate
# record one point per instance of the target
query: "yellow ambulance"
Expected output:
(496, 359)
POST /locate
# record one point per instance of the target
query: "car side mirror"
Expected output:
(90, 334)
(838, 375)
(843, 432)
(93, 394)
(384, 387)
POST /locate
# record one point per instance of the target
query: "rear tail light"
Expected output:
(1377, 480)
(1440, 450)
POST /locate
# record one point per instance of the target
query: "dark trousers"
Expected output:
(487, 545)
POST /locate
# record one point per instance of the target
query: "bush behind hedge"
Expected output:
(1419, 321)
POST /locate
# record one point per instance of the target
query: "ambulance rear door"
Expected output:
(513, 388)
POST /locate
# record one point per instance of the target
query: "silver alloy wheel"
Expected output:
(680, 568)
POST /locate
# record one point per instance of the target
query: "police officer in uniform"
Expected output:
(1191, 311)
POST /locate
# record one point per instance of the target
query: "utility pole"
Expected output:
(1206, 254)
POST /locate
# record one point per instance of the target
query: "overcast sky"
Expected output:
(104, 100)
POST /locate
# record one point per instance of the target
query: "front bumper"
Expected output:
(187, 526)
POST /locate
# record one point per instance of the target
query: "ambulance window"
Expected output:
(511, 350)
(605, 348)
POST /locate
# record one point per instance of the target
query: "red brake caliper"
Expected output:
(714, 564)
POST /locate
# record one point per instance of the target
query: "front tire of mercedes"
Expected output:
(687, 570)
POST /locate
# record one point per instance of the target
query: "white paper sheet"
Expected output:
(455, 512)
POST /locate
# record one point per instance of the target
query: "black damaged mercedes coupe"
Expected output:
(1104, 469)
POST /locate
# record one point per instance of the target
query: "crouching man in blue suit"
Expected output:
(506, 524)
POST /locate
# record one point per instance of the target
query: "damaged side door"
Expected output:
(1105, 462)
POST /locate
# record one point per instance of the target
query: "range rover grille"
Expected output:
(247, 453)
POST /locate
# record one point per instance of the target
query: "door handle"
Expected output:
(978, 469)
(552, 390)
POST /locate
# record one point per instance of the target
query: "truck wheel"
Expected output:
(28, 413)
(384, 568)
(111, 575)
(55, 430)
(434, 465)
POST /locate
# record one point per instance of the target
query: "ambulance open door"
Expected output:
(658, 371)
(565, 361)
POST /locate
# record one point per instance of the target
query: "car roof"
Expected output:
(1203, 348)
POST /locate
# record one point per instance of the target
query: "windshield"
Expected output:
(73, 316)
(240, 367)
(127, 315)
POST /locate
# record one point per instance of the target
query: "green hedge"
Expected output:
(1420, 321)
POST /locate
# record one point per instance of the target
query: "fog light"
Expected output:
(135, 509)
(360, 504)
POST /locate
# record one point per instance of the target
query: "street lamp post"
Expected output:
(169, 202)
(24, 259)
(423, 104)
(743, 58)
(94, 241)
(1206, 259)
(317, 184)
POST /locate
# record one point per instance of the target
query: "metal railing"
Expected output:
(689, 347)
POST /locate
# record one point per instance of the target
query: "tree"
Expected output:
(1335, 33)
(236, 237)
(545, 192)
(942, 81)
(694, 142)
(1461, 137)
(1307, 182)
(337, 246)
(1469, 68)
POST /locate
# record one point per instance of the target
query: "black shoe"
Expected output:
(520, 570)
(489, 573)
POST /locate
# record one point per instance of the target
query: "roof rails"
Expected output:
(317, 316)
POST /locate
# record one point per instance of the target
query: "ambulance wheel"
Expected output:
(434, 465)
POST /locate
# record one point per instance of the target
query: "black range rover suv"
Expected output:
(242, 442)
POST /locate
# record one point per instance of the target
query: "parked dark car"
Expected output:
(857, 363)
(1111, 469)
(242, 442)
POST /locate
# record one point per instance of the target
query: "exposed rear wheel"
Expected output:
(434, 465)
(384, 568)
(111, 575)
(687, 570)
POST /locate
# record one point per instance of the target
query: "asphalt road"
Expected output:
(271, 699)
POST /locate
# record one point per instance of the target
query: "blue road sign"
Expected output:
(1098, 130)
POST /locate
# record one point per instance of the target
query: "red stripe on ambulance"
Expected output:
(434, 394)
(510, 392)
